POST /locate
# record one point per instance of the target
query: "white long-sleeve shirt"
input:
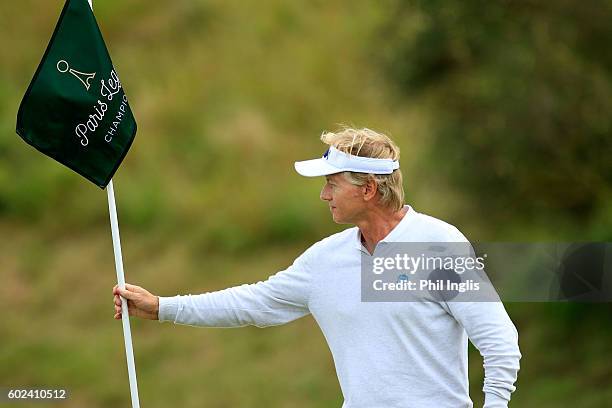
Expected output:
(387, 354)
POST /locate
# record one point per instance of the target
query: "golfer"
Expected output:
(387, 354)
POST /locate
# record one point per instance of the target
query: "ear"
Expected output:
(370, 188)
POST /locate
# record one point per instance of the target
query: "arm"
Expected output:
(490, 329)
(281, 298)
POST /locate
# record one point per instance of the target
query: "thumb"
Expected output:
(127, 294)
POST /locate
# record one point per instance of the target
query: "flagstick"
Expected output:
(125, 318)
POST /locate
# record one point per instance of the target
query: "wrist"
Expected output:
(494, 401)
(168, 308)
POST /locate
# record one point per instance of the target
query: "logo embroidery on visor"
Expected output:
(326, 154)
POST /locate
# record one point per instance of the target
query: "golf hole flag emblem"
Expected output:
(75, 110)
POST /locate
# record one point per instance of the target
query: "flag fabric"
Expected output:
(75, 110)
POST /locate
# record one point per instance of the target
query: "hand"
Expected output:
(140, 302)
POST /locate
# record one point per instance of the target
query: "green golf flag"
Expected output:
(75, 110)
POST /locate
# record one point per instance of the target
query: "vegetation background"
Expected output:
(502, 111)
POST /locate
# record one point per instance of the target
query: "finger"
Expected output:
(117, 300)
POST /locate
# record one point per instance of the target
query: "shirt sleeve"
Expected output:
(280, 299)
(490, 329)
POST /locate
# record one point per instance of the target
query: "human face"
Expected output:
(346, 201)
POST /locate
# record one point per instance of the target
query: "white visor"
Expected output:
(335, 161)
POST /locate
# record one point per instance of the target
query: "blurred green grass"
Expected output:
(227, 96)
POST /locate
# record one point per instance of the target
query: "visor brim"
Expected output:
(315, 168)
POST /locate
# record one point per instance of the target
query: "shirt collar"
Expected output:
(392, 236)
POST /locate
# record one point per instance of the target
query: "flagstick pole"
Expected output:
(125, 318)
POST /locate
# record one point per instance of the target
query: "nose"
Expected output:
(325, 193)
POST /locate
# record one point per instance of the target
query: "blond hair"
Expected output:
(368, 143)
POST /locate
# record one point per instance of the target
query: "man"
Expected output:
(387, 354)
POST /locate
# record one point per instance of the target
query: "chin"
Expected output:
(339, 220)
